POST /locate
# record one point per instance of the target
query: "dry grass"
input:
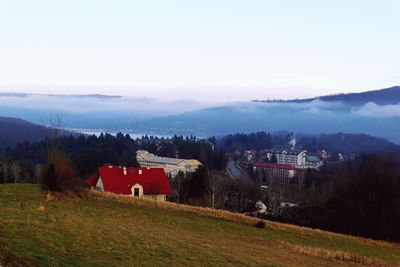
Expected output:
(41, 208)
(98, 229)
(7, 257)
(315, 231)
(335, 255)
(229, 216)
(215, 213)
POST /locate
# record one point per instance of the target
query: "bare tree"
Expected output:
(301, 178)
(212, 189)
(38, 171)
(16, 171)
(4, 170)
(57, 126)
(177, 182)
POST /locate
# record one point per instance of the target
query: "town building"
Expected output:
(322, 154)
(151, 183)
(293, 157)
(271, 173)
(171, 166)
(313, 162)
(250, 154)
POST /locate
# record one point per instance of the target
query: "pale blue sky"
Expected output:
(199, 49)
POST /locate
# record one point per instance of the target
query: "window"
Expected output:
(136, 192)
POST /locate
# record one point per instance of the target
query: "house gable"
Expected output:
(137, 190)
(99, 185)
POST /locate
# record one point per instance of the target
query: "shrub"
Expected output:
(59, 174)
(260, 224)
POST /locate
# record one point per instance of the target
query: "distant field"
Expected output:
(104, 230)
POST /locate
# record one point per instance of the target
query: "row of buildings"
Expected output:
(290, 164)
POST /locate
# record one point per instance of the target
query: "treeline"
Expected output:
(384, 96)
(213, 189)
(340, 142)
(359, 197)
(13, 171)
(259, 140)
(89, 152)
(347, 143)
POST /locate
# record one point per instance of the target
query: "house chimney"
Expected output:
(124, 170)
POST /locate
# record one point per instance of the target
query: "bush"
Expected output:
(59, 174)
(260, 224)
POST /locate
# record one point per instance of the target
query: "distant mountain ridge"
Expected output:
(374, 113)
(13, 130)
(387, 96)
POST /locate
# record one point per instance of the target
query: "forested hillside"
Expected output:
(340, 142)
(13, 130)
(382, 97)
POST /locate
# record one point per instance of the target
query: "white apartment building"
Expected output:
(293, 157)
(313, 162)
(171, 166)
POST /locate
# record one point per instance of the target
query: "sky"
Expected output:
(206, 50)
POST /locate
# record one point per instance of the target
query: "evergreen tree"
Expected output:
(49, 178)
(274, 159)
(202, 157)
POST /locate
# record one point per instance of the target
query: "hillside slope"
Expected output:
(15, 130)
(373, 113)
(100, 230)
(384, 96)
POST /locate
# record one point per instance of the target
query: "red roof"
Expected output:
(153, 180)
(274, 166)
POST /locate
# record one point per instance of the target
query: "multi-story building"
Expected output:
(250, 154)
(313, 162)
(271, 173)
(293, 157)
(171, 166)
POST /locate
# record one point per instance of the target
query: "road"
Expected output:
(236, 172)
(233, 170)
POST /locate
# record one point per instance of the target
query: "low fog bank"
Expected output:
(192, 118)
(314, 117)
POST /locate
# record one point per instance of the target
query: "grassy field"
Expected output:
(38, 229)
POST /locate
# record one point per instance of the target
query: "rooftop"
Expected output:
(119, 180)
(274, 166)
(165, 160)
